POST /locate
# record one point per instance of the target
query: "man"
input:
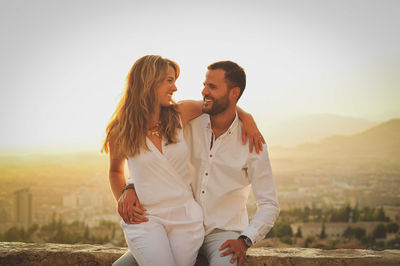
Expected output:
(225, 170)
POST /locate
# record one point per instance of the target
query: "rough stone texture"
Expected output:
(16, 253)
(314, 257)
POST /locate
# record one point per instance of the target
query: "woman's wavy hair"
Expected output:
(129, 124)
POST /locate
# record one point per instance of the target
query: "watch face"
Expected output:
(247, 241)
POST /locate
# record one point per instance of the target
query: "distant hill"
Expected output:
(294, 130)
(380, 140)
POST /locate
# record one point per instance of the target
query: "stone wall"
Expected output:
(16, 253)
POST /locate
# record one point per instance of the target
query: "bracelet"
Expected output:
(129, 186)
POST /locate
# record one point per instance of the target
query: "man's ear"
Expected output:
(234, 93)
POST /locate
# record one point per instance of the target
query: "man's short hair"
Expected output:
(234, 74)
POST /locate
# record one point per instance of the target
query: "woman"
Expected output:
(147, 131)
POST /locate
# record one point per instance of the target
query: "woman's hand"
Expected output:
(130, 209)
(250, 131)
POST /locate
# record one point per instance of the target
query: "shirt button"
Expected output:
(206, 173)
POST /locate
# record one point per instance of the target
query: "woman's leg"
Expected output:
(185, 242)
(186, 238)
(148, 243)
(126, 260)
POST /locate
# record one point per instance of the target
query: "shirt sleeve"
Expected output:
(260, 175)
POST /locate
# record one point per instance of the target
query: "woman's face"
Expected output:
(167, 88)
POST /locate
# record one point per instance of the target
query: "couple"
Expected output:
(189, 172)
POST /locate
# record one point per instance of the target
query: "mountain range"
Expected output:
(382, 140)
(293, 130)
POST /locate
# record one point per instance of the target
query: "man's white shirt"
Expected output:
(223, 177)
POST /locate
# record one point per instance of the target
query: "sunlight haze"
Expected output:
(63, 63)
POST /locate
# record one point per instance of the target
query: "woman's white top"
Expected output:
(162, 179)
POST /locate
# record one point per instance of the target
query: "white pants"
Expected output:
(212, 242)
(172, 239)
(210, 250)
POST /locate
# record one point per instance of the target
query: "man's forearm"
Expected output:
(262, 221)
(262, 180)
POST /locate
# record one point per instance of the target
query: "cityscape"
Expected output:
(346, 201)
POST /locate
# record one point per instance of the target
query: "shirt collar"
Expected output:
(207, 123)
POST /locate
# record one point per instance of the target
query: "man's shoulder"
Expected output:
(194, 127)
(202, 117)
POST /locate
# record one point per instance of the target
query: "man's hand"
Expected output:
(237, 247)
(130, 209)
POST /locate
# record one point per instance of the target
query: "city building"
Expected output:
(23, 207)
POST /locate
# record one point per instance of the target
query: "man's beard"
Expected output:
(218, 105)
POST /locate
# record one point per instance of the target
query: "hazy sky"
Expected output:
(63, 63)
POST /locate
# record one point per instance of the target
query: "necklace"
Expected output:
(154, 130)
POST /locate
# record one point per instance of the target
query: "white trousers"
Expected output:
(212, 242)
(210, 250)
(166, 242)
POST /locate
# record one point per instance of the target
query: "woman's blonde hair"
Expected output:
(129, 124)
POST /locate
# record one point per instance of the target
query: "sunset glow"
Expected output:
(64, 64)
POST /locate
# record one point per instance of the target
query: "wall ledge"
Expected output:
(17, 253)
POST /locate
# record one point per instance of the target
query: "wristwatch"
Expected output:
(247, 240)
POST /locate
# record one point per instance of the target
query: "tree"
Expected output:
(86, 233)
(347, 211)
(32, 229)
(299, 234)
(359, 233)
(356, 214)
(271, 233)
(286, 239)
(306, 214)
(379, 231)
(368, 214)
(323, 234)
(392, 227)
(308, 241)
(342, 214)
(106, 239)
(113, 231)
(283, 229)
(348, 232)
(59, 236)
(53, 224)
(393, 243)
(380, 215)
(14, 234)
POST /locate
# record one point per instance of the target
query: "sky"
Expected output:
(63, 63)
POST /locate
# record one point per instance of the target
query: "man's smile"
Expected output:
(207, 101)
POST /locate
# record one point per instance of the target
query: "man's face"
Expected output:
(215, 92)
